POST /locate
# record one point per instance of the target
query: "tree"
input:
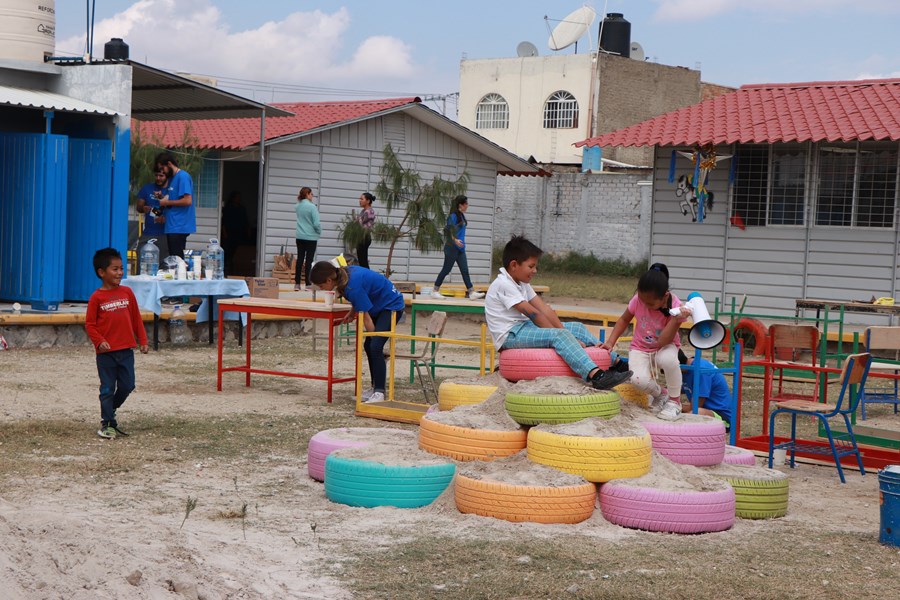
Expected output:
(424, 207)
(143, 154)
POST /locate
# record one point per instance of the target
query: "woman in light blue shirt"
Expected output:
(309, 229)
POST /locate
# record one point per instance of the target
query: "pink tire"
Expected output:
(531, 363)
(738, 456)
(669, 511)
(325, 442)
(701, 444)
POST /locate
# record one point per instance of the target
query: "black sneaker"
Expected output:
(620, 366)
(119, 431)
(604, 380)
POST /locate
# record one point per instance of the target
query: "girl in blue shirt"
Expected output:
(373, 295)
(455, 249)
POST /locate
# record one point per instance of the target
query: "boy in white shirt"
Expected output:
(518, 318)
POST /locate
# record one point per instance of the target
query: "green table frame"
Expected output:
(450, 305)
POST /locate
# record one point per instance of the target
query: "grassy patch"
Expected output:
(607, 288)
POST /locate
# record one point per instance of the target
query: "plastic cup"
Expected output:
(209, 273)
(779, 456)
(329, 298)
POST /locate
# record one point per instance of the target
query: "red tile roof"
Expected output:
(769, 113)
(234, 134)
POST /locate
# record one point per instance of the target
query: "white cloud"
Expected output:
(304, 48)
(698, 10)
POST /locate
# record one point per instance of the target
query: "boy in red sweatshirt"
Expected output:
(113, 322)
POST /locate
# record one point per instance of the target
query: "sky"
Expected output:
(297, 50)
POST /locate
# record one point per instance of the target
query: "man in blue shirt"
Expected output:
(181, 219)
(154, 219)
(714, 395)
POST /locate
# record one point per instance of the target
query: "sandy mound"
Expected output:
(492, 379)
(666, 475)
(745, 471)
(490, 414)
(684, 418)
(374, 435)
(598, 427)
(553, 386)
(518, 470)
(397, 452)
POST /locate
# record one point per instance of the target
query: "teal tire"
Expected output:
(369, 484)
(528, 409)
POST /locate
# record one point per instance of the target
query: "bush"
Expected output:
(585, 264)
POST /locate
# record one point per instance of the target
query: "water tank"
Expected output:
(27, 29)
(615, 34)
(115, 49)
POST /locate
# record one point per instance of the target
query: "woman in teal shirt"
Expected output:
(309, 229)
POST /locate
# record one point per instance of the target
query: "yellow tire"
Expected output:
(597, 459)
(451, 395)
(464, 443)
(631, 393)
(516, 503)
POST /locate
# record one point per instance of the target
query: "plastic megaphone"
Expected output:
(706, 332)
(339, 261)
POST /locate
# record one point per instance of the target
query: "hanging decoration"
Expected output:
(691, 189)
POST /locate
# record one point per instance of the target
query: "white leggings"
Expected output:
(645, 365)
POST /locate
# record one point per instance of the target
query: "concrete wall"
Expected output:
(604, 213)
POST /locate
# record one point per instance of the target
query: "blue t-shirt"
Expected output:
(713, 387)
(151, 227)
(181, 219)
(371, 292)
(456, 230)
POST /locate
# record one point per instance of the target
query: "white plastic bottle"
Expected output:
(178, 332)
(215, 259)
(149, 258)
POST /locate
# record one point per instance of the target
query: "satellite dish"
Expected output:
(637, 51)
(571, 28)
(525, 49)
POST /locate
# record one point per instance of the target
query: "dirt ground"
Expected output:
(85, 518)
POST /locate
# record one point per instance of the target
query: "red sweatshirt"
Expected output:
(113, 316)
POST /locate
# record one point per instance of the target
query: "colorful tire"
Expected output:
(631, 393)
(531, 409)
(451, 395)
(760, 493)
(358, 482)
(698, 443)
(738, 456)
(464, 443)
(325, 442)
(517, 503)
(597, 459)
(531, 363)
(669, 511)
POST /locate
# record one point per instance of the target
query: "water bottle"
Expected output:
(149, 258)
(215, 259)
(178, 333)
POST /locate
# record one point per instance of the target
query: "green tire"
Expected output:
(528, 409)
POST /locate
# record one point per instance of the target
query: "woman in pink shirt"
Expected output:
(654, 342)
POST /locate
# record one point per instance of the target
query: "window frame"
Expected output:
(557, 99)
(769, 198)
(495, 104)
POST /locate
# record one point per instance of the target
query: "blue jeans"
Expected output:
(374, 347)
(452, 254)
(564, 341)
(116, 370)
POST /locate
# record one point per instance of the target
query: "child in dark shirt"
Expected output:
(113, 323)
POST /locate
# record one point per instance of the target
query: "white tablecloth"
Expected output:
(149, 291)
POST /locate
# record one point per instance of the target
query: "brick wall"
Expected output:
(604, 213)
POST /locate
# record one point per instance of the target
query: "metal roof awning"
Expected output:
(160, 96)
(40, 99)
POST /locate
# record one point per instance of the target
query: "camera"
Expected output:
(156, 211)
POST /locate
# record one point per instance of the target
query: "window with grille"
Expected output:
(492, 113)
(770, 184)
(206, 188)
(857, 184)
(561, 111)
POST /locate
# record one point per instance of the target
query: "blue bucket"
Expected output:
(889, 491)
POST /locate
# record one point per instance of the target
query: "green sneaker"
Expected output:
(108, 433)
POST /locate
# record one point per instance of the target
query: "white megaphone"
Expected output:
(706, 332)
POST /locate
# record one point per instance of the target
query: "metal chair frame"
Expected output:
(882, 338)
(426, 356)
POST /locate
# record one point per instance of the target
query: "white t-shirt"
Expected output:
(501, 297)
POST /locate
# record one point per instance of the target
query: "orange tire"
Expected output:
(517, 503)
(464, 443)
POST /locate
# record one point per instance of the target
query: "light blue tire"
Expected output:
(368, 484)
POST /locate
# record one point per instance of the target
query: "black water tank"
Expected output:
(115, 49)
(615, 34)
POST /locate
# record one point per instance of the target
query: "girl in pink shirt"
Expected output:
(654, 343)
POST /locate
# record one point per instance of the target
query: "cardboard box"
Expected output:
(261, 287)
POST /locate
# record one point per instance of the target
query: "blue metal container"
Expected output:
(591, 159)
(889, 491)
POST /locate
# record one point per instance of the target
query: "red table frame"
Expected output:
(874, 458)
(291, 308)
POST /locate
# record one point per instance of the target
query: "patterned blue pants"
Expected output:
(564, 341)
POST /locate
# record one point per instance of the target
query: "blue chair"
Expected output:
(854, 373)
(882, 390)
